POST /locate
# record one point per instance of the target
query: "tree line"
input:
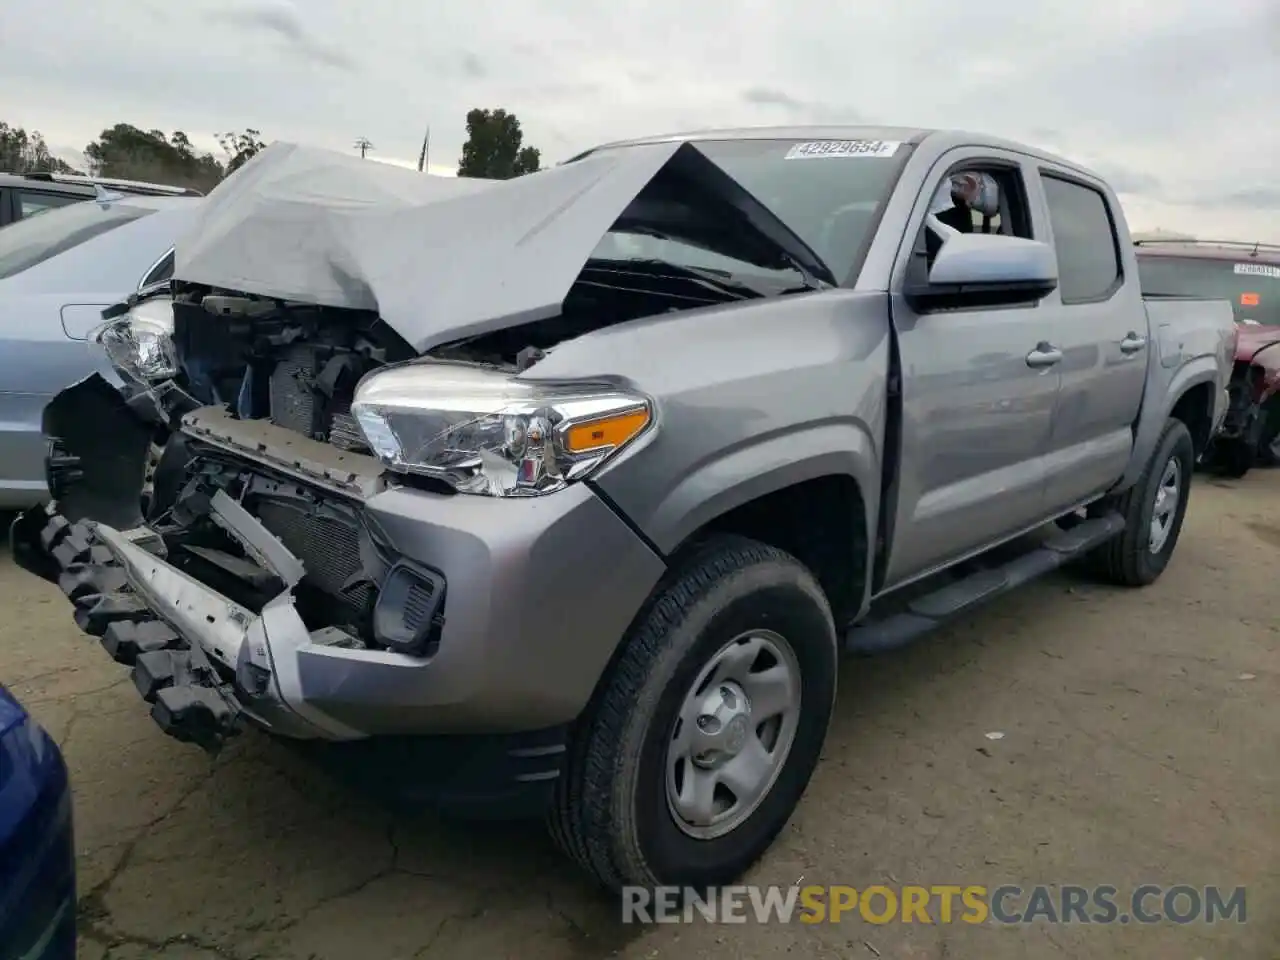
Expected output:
(494, 148)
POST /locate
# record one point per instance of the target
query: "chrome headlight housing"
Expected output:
(483, 431)
(139, 344)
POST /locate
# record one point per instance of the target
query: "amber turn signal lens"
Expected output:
(611, 431)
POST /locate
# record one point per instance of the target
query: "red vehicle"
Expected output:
(1249, 275)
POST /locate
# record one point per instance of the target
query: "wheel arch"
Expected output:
(795, 517)
(824, 522)
(1159, 405)
(1195, 408)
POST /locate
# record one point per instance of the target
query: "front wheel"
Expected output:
(707, 728)
(1153, 511)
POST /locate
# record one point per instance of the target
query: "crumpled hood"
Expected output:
(438, 258)
(1253, 339)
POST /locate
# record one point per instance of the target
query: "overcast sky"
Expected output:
(1177, 101)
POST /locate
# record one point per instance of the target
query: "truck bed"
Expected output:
(1189, 327)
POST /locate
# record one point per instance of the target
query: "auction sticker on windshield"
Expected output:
(816, 149)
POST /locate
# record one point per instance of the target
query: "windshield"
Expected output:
(1253, 288)
(828, 193)
(35, 239)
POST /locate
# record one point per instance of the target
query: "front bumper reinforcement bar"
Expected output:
(190, 699)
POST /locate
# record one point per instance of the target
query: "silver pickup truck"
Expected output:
(569, 491)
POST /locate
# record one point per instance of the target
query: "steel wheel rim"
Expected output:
(733, 734)
(1165, 509)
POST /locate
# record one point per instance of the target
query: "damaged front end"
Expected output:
(208, 527)
(1252, 423)
(260, 521)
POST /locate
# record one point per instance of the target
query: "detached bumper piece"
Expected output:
(189, 698)
(1242, 417)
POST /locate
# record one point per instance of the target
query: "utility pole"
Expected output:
(422, 157)
(363, 145)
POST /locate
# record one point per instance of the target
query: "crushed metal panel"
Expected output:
(437, 257)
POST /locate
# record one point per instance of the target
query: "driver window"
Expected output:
(976, 198)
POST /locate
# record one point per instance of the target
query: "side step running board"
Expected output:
(932, 610)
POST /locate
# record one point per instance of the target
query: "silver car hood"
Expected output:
(438, 258)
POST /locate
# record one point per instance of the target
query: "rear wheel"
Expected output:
(1153, 510)
(707, 728)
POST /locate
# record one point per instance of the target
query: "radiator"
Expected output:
(328, 546)
(294, 403)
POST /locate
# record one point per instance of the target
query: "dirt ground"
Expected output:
(1140, 743)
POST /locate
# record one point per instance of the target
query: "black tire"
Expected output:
(611, 812)
(1127, 560)
(1236, 457)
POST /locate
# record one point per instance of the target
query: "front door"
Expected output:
(977, 403)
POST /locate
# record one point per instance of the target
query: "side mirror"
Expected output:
(986, 270)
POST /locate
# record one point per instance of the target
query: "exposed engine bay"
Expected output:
(258, 507)
(295, 366)
(260, 412)
(242, 405)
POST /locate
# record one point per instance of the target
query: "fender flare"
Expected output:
(764, 465)
(1153, 416)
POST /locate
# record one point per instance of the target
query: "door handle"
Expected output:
(1044, 355)
(1132, 343)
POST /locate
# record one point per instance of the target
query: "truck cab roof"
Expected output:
(942, 139)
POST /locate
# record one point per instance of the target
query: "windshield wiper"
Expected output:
(721, 281)
(808, 280)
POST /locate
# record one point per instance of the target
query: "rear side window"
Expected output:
(1084, 236)
(33, 240)
(33, 202)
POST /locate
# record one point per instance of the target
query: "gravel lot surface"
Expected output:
(1140, 744)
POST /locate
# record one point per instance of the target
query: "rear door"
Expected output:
(1100, 327)
(977, 402)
